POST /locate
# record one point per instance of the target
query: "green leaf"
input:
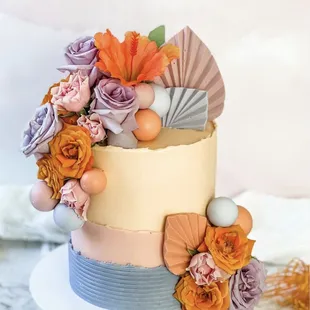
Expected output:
(67, 115)
(158, 35)
(82, 112)
(192, 252)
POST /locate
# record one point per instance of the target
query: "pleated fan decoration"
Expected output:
(196, 68)
(183, 233)
(188, 109)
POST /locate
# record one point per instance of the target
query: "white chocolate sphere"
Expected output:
(162, 101)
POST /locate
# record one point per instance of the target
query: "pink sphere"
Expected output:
(40, 197)
(93, 181)
(145, 95)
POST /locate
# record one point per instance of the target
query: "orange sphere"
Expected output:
(149, 125)
(244, 219)
(93, 181)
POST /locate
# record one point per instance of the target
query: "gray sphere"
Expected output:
(222, 211)
(66, 219)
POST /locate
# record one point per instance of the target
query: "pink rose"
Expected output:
(203, 269)
(73, 95)
(74, 197)
(94, 124)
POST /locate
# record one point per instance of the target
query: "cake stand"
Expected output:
(50, 287)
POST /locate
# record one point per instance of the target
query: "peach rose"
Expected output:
(73, 95)
(204, 271)
(229, 247)
(64, 115)
(94, 125)
(74, 197)
(48, 173)
(48, 96)
(71, 151)
(193, 297)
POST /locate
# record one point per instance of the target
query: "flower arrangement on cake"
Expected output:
(213, 257)
(107, 99)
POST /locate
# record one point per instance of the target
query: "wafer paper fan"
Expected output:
(183, 232)
(196, 68)
(188, 109)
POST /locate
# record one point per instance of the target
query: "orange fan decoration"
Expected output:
(290, 288)
(135, 60)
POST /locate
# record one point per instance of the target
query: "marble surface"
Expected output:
(17, 260)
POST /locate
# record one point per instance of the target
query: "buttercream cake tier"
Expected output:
(175, 173)
(120, 247)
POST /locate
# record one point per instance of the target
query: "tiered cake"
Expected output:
(126, 150)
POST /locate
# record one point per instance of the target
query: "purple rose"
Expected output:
(82, 55)
(247, 285)
(81, 52)
(116, 105)
(42, 129)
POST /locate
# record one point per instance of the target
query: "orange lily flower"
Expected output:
(135, 60)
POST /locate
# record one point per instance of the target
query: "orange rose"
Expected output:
(229, 247)
(48, 173)
(71, 151)
(193, 297)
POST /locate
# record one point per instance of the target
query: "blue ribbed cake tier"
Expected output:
(117, 287)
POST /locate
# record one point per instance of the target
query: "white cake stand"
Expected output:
(50, 287)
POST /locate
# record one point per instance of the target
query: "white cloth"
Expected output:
(19, 220)
(281, 226)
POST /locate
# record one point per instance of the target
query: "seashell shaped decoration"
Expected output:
(196, 68)
(183, 232)
(188, 109)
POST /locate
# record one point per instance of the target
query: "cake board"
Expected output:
(50, 287)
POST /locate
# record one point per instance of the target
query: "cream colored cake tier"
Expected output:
(175, 173)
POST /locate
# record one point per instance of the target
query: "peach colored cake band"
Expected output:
(138, 248)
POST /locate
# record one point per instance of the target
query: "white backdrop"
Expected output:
(262, 48)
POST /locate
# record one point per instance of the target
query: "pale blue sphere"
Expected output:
(66, 219)
(222, 211)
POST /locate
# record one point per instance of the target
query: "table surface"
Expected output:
(17, 259)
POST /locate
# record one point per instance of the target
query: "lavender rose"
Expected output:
(82, 55)
(116, 105)
(247, 285)
(42, 129)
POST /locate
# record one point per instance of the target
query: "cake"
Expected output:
(126, 150)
